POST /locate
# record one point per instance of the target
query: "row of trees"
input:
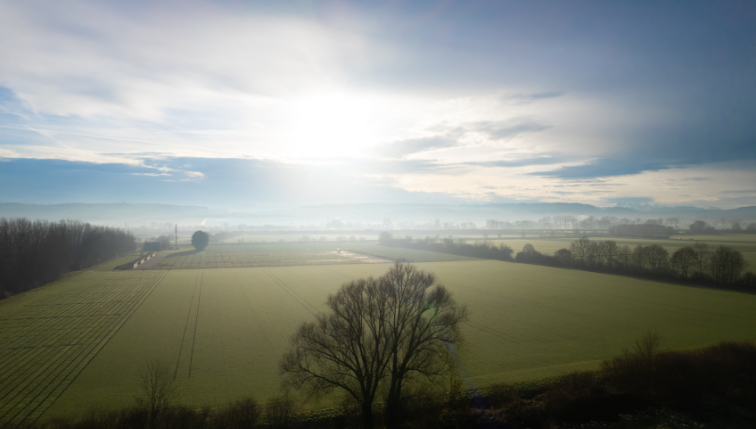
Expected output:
(33, 253)
(700, 262)
(447, 245)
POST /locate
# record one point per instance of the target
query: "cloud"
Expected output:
(401, 148)
(457, 135)
(92, 59)
(605, 167)
(631, 202)
(524, 162)
(536, 96)
(498, 130)
(516, 90)
(744, 191)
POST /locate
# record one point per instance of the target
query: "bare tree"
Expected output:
(280, 413)
(579, 248)
(593, 253)
(345, 349)
(564, 256)
(702, 256)
(156, 387)
(610, 250)
(648, 346)
(623, 255)
(683, 259)
(658, 258)
(421, 322)
(640, 256)
(726, 264)
(378, 332)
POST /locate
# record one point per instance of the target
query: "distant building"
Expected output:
(151, 246)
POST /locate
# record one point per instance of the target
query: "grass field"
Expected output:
(292, 254)
(49, 335)
(81, 342)
(223, 330)
(262, 255)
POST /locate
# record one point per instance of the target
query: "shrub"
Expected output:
(200, 240)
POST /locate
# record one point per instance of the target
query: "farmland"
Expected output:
(49, 335)
(222, 331)
(292, 254)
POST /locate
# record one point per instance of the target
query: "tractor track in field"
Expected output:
(45, 354)
(303, 302)
(186, 325)
(196, 291)
(196, 321)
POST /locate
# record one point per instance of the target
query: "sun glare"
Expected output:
(330, 125)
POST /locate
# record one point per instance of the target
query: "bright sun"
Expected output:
(330, 125)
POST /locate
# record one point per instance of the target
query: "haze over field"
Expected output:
(249, 105)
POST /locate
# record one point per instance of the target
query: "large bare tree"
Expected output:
(683, 260)
(421, 321)
(726, 264)
(378, 333)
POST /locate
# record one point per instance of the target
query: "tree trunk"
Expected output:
(393, 404)
(367, 415)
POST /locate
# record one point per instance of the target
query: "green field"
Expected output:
(49, 335)
(85, 338)
(408, 255)
(292, 254)
(223, 331)
(263, 255)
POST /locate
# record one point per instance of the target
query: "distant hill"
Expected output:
(136, 214)
(104, 213)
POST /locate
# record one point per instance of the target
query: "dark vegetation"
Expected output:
(643, 230)
(719, 266)
(642, 388)
(200, 240)
(33, 253)
(700, 264)
(447, 245)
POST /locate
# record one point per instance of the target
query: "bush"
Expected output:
(200, 240)
(715, 380)
(238, 415)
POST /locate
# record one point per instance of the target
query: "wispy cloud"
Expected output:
(498, 130)
(400, 148)
(536, 96)
(603, 168)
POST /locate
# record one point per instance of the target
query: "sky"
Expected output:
(261, 104)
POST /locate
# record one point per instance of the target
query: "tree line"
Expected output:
(33, 253)
(698, 263)
(447, 245)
